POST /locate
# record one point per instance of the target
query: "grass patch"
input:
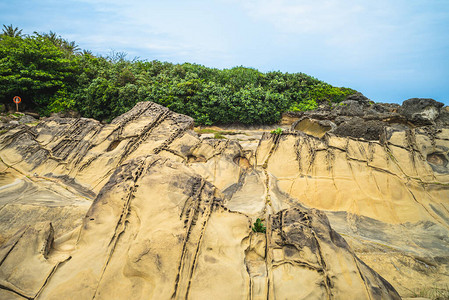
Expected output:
(219, 136)
(210, 130)
(16, 115)
(434, 293)
(205, 130)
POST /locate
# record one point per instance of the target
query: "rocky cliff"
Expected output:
(354, 201)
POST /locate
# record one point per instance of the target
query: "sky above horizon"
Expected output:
(390, 50)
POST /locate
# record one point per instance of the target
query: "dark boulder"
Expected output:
(385, 107)
(358, 128)
(358, 117)
(349, 108)
(422, 111)
(443, 118)
(360, 98)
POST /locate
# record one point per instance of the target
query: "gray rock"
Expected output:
(368, 130)
(385, 107)
(27, 119)
(66, 114)
(421, 110)
(341, 119)
(443, 118)
(358, 117)
(360, 98)
(355, 106)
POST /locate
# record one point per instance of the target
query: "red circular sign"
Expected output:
(17, 99)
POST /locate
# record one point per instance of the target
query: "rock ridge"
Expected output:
(145, 208)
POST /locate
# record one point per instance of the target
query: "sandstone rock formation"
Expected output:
(359, 117)
(143, 208)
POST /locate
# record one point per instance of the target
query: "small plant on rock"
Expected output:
(277, 131)
(258, 226)
(219, 136)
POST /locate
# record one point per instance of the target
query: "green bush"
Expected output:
(51, 74)
(277, 131)
(36, 70)
(324, 92)
(307, 104)
(258, 226)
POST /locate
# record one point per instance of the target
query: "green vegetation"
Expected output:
(258, 226)
(222, 132)
(277, 131)
(306, 104)
(51, 74)
(219, 136)
(230, 132)
(434, 293)
(9, 30)
(205, 130)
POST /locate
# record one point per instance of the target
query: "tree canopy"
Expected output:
(9, 30)
(51, 74)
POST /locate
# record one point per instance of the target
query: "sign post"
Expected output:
(17, 100)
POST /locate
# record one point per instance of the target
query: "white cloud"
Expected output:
(176, 31)
(304, 16)
(351, 31)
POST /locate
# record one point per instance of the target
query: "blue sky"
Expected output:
(390, 50)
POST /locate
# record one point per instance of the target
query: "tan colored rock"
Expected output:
(313, 127)
(25, 267)
(169, 215)
(389, 200)
(157, 230)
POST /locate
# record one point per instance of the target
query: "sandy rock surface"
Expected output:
(145, 208)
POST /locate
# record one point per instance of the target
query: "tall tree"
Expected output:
(69, 48)
(11, 31)
(35, 69)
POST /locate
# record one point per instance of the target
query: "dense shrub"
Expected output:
(36, 70)
(51, 74)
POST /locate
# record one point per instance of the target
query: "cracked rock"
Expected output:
(142, 208)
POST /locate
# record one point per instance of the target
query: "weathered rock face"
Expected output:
(317, 128)
(57, 167)
(143, 208)
(158, 230)
(389, 200)
(357, 117)
(423, 111)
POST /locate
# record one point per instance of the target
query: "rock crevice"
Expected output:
(152, 211)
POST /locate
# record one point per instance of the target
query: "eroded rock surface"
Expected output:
(142, 208)
(389, 200)
(422, 111)
(358, 117)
